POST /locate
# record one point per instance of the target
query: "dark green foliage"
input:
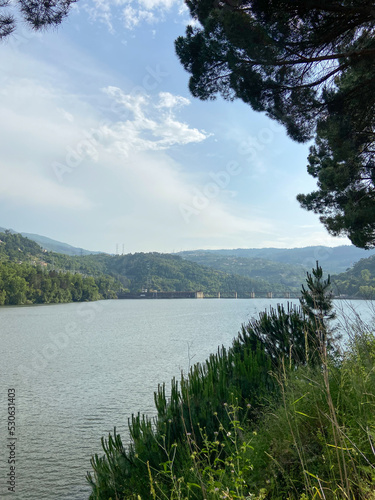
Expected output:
(303, 420)
(275, 55)
(342, 159)
(287, 336)
(357, 282)
(36, 14)
(282, 276)
(27, 284)
(316, 303)
(134, 272)
(14, 247)
(316, 300)
(30, 276)
(164, 272)
(311, 67)
(297, 451)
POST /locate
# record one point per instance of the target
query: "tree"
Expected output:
(342, 159)
(316, 303)
(285, 335)
(36, 13)
(316, 300)
(310, 65)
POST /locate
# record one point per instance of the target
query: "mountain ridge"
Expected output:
(334, 260)
(53, 245)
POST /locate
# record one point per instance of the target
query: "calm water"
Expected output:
(81, 369)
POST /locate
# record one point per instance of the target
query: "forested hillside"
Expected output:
(286, 275)
(334, 260)
(30, 276)
(165, 272)
(358, 281)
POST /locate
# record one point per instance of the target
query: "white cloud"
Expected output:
(133, 17)
(105, 169)
(100, 10)
(153, 126)
(34, 132)
(132, 12)
(155, 193)
(127, 177)
(168, 100)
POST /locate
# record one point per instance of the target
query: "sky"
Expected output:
(103, 147)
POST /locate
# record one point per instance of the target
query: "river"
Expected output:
(78, 370)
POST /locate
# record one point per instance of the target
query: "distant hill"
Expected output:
(31, 275)
(240, 270)
(53, 245)
(135, 272)
(165, 272)
(57, 246)
(358, 281)
(287, 275)
(333, 260)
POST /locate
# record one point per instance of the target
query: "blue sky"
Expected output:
(102, 144)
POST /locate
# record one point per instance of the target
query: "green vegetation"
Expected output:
(336, 260)
(164, 272)
(310, 67)
(26, 284)
(357, 282)
(276, 416)
(28, 276)
(161, 272)
(288, 276)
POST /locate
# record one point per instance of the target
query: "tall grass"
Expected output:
(320, 440)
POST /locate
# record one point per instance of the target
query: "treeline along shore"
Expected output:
(32, 275)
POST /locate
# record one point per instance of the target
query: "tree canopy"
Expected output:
(35, 13)
(310, 65)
